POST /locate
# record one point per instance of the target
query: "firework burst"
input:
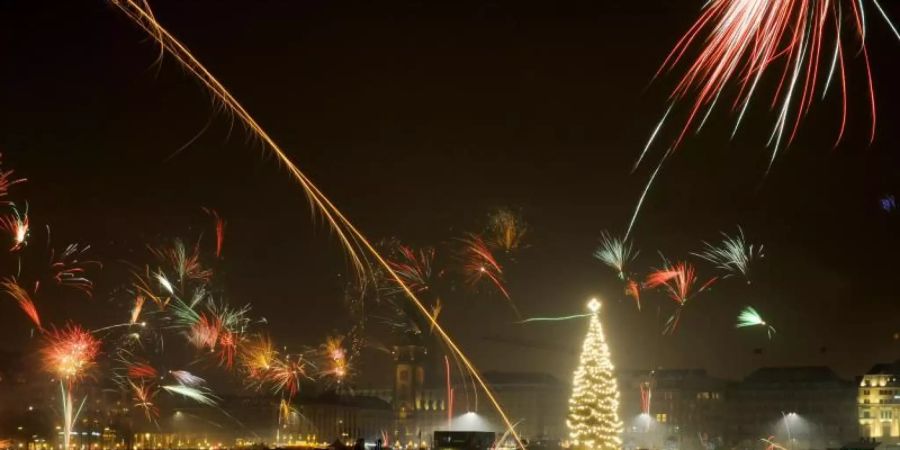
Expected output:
(414, 267)
(185, 263)
(16, 225)
(70, 352)
(256, 356)
(144, 395)
(733, 255)
(506, 230)
(615, 253)
(749, 317)
(205, 333)
(286, 374)
(679, 282)
(334, 355)
(478, 263)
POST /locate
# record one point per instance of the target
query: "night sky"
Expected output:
(418, 118)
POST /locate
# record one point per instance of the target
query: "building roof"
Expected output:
(353, 401)
(865, 444)
(892, 368)
(798, 374)
(496, 378)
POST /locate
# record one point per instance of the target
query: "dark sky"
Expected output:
(417, 118)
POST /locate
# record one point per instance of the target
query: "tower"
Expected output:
(409, 381)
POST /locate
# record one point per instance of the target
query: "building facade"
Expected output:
(247, 420)
(806, 407)
(879, 404)
(536, 402)
(681, 409)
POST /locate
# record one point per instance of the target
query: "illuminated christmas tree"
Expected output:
(593, 408)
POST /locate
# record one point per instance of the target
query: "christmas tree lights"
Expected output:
(593, 419)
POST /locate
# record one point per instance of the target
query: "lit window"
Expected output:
(662, 418)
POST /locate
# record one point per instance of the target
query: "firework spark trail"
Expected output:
(741, 40)
(772, 445)
(6, 181)
(118, 325)
(137, 308)
(554, 319)
(202, 396)
(744, 40)
(640, 203)
(347, 233)
(70, 413)
(16, 225)
(615, 253)
(23, 298)
(165, 283)
(652, 138)
(140, 371)
(449, 393)
(69, 270)
(646, 396)
(886, 18)
(186, 378)
(144, 290)
(633, 290)
(219, 223)
(733, 255)
(749, 317)
(143, 396)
